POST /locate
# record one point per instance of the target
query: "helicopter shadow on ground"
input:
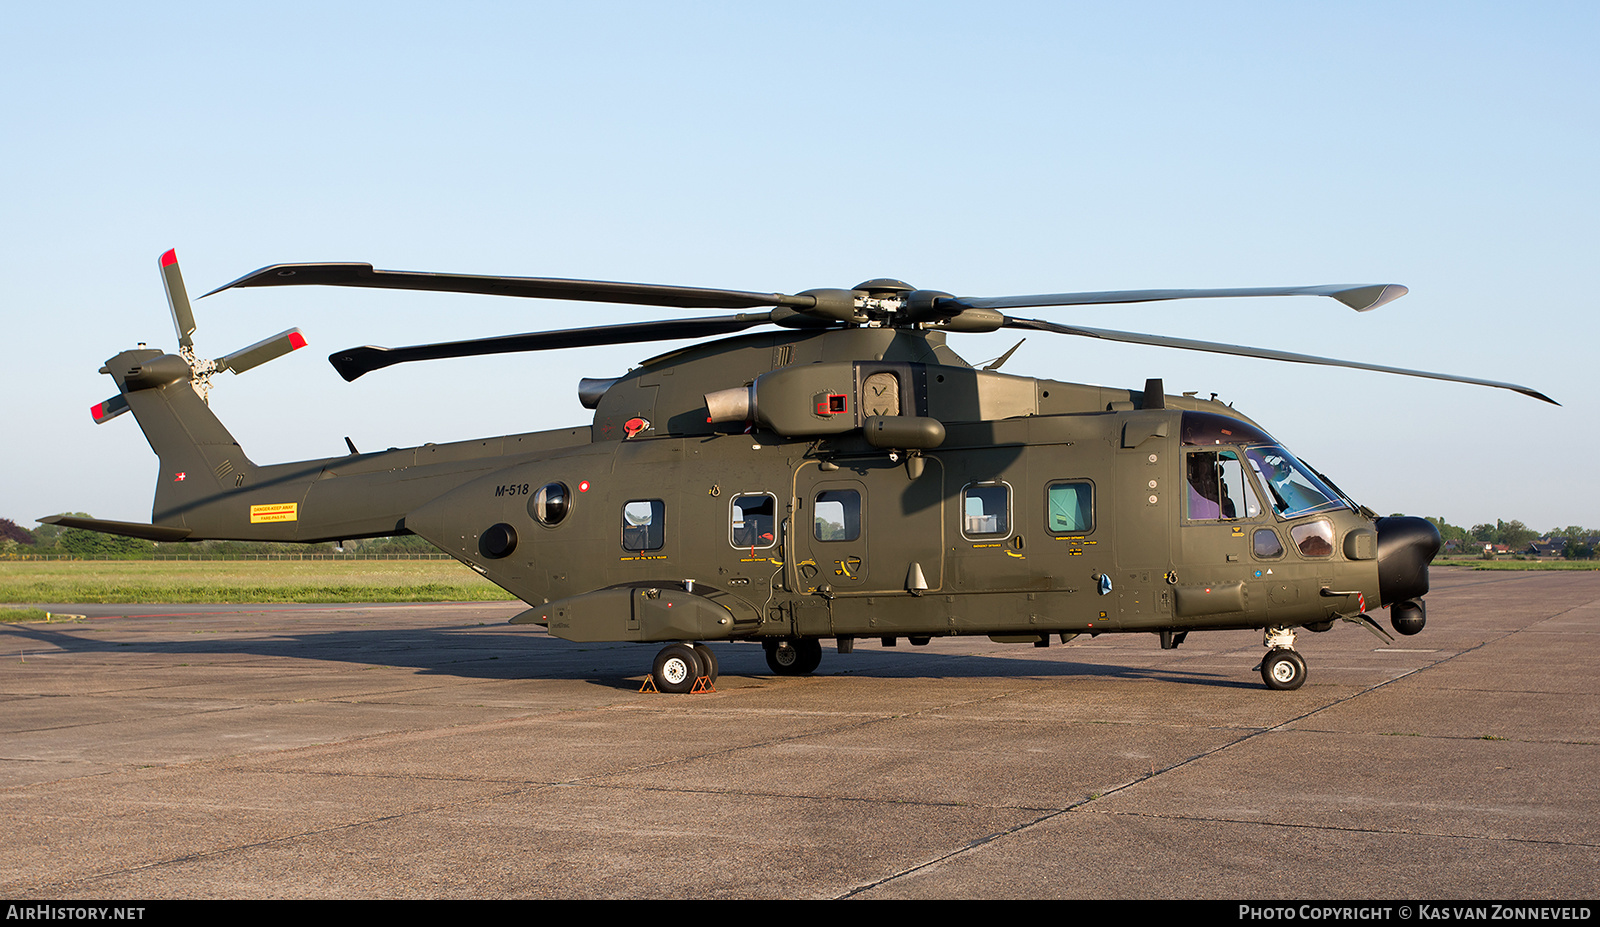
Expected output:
(483, 652)
(747, 659)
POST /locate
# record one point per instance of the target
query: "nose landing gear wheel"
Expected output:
(794, 656)
(1283, 670)
(676, 668)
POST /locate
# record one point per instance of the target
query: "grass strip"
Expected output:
(1475, 563)
(309, 581)
(24, 614)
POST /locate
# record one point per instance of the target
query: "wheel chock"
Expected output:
(702, 686)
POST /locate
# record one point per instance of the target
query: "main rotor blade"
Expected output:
(262, 351)
(1264, 353)
(177, 298)
(1360, 297)
(598, 291)
(354, 362)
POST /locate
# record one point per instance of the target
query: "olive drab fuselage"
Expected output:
(913, 562)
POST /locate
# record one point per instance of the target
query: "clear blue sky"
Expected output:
(983, 150)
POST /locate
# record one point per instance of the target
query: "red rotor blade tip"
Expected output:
(170, 258)
(296, 341)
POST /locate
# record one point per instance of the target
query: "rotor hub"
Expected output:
(884, 287)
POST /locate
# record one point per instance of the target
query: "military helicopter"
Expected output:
(840, 474)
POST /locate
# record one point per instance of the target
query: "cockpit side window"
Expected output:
(1314, 538)
(1218, 490)
(1265, 545)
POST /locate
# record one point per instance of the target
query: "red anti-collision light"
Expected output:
(583, 486)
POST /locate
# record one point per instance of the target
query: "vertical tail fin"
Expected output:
(200, 459)
(202, 466)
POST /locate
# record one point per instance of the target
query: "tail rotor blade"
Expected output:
(106, 411)
(178, 299)
(262, 351)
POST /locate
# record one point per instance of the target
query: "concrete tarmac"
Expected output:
(433, 751)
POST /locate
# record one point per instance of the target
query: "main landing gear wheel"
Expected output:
(708, 662)
(1283, 670)
(794, 656)
(677, 667)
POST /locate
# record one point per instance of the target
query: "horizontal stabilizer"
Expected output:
(130, 529)
(106, 411)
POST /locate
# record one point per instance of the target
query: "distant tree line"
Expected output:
(1577, 542)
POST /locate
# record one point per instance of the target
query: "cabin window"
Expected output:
(752, 521)
(1218, 490)
(837, 515)
(1069, 507)
(550, 504)
(643, 525)
(986, 510)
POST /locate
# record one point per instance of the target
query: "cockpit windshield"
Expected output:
(1292, 488)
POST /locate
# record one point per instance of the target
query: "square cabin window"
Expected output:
(1069, 507)
(644, 525)
(986, 510)
(752, 521)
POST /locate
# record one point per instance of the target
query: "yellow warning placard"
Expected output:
(276, 511)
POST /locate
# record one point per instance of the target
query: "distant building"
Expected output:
(1555, 548)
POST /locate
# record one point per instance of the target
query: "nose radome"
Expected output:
(1406, 545)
